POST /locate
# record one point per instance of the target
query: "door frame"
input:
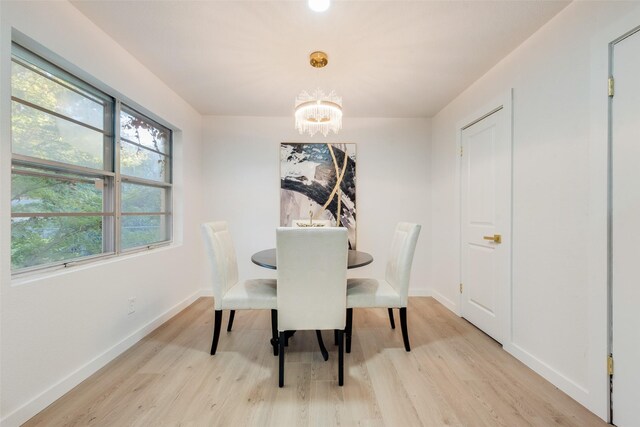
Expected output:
(610, 73)
(502, 102)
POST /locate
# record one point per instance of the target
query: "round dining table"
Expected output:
(267, 259)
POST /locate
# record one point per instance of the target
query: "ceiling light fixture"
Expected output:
(318, 112)
(319, 5)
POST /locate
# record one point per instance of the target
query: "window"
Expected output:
(76, 194)
(145, 161)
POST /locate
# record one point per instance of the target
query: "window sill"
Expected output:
(24, 278)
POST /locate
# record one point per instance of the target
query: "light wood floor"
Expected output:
(454, 375)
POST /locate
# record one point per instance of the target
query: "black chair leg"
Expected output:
(348, 329)
(274, 331)
(287, 335)
(340, 358)
(217, 322)
(232, 314)
(391, 319)
(403, 325)
(281, 360)
(323, 349)
(335, 336)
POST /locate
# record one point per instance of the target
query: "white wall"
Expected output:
(241, 157)
(559, 300)
(59, 328)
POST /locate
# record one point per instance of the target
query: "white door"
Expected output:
(486, 222)
(625, 204)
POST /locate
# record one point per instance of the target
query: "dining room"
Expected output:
(380, 213)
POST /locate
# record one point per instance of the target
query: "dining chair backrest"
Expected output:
(316, 223)
(403, 246)
(222, 255)
(312, 278)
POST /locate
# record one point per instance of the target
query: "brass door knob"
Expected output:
(496, 238)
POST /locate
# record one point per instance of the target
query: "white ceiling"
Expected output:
(386, 58)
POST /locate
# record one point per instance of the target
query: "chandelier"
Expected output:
(318, 112)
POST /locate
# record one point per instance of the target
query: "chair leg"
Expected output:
(217, 322)
(335, 336)
(403, 325)
(323, 349)
(274, 331)
(340, 358)
(287, 335)
(348, 329)
(391, 319)
(281, 360)
(232, 314)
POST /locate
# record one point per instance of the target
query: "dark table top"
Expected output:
(267, 259)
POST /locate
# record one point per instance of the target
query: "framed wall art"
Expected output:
(318, 183)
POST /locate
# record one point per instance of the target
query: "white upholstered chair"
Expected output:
(392, 291)
(312, 281)
(316, 223)
(228, 291)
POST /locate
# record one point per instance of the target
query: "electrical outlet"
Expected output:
(132, 305)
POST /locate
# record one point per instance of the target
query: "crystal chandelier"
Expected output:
(318, 112)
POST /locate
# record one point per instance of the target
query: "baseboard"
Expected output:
(452, 306)
(50, 395)
(423, 292)
(574, 390)
(206, 292)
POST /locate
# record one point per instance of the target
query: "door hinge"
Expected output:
(610, 364)
(460, 287)
(612, 86)
(461, 151)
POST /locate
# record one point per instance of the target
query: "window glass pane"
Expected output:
(143, 198)
(142, 230)
(43, 194)
(37, 89)
(37, 241)
(142, 131)
(142, 163)
(38, 134)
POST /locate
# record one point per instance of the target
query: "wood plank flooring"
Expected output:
(454, 375)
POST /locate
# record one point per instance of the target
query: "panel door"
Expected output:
(625, 204)
(485, 222)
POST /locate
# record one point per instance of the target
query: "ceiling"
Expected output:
(388, 58)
